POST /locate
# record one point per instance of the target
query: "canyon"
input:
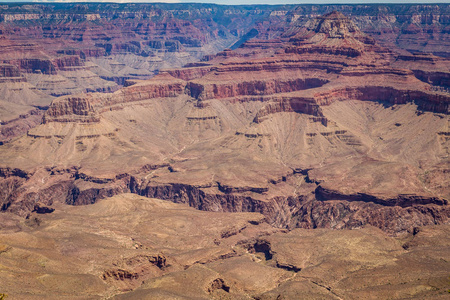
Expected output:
(62, 49)
(274, 130)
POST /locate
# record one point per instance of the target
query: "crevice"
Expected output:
(325, 287)
(288, 267)
(258, 247)
(220, 257)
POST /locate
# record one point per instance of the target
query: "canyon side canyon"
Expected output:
(198, 151)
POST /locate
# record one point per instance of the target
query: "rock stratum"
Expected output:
(319, 127)
(70, 48)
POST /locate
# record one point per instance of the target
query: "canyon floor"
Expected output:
(133, 247)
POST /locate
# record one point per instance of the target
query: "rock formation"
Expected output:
(72, 48)
(321, 131)
(316, 127)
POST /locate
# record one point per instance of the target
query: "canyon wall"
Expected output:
(323, 128)
(324, 209)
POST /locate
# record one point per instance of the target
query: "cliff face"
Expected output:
(425, 100)
(326, 209)
(403, 26)
(207, 91)
(42, 76)
(65, 108)
(7, 70)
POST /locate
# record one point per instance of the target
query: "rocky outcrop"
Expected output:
(75, 196)
(343, 214)
(144, 49)
(190, 73)
(429, 101)
(349, 52)
(84, 53)
(402, 200)
(291, 104)
(205, 91)
(335, 25)
(67, 62)
(161, 88)
(8, 71)
(71, 108)
(199, 199)
(49, 66)
(441, 79)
